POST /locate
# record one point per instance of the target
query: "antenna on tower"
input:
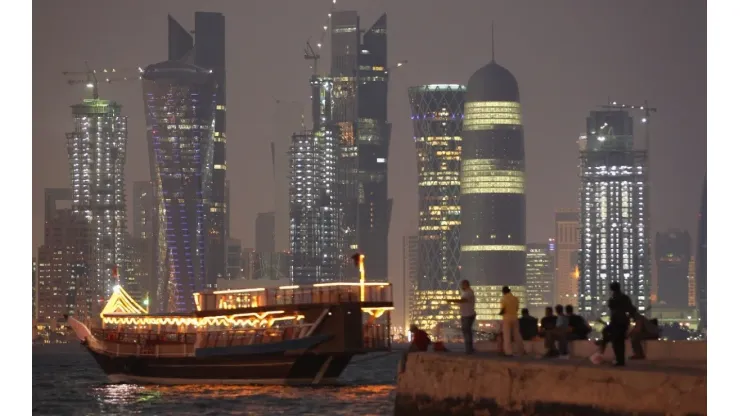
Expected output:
(493, 42)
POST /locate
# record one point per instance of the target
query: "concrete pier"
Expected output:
(487, 384)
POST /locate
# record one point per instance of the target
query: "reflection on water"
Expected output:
(68, 382)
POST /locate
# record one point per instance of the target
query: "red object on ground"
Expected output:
(439, 347)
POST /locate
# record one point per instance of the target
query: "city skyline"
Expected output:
(545, 202)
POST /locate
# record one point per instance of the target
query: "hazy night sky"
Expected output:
(569, 56)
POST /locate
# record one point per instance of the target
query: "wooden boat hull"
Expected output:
(270, 368)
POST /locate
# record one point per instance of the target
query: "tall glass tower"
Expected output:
(492, 200)
(180, 105)
(97, 156)
(614, 229)
(360, 110)
(701, 260)
(208, 51)
(437, 118)
(314, 202)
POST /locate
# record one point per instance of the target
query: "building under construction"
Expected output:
(313, 198)
(97, 156)
(614, 209)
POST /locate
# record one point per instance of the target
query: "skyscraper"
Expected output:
(701, 260)
(492, 201)
(314, 194)
(208, 51)
(234, 260)
(614, 232)
(437, 117)
(288, 120)
(567, 244)
(180, 105)
(360, 110)
(63, 272)
(410, 276)
(672, 257)
(227, 215)
(35, 288)
(540, 274)
(692, 282)
(265, 232)
(143, 209)
(314, 219)
(97, 156)
(143, 244)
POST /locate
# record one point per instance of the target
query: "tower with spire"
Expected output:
(492, 198)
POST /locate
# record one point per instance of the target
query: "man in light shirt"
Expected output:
(510, 313)
(467, 313)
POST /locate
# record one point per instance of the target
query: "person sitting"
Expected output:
(559, 334)
(548, 321)
(420, 340)
(579, 328)
(527, 325)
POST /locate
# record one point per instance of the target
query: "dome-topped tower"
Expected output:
(493, 82)
(492, 201)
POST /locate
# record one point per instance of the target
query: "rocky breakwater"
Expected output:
(456, 384)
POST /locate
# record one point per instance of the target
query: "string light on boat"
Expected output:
(253, 320)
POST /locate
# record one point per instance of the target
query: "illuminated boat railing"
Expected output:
(321, 293)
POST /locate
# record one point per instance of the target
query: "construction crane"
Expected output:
(309, 53)
(645, 110)
(91, 77)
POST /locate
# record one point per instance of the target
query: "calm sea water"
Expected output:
(66, 381)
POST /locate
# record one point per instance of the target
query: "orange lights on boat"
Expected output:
(236, 291)
(377, 312)
(121, 302)
(351, 284)
(252, 319)
(289, 287)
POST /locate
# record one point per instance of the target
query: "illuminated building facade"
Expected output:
(314, 193)
(63, 268)
(410, 277)
(492, 198)
(208, 51)
(314, 216)
(567, 244)
(437, 117)
(135, 270)
(97, 156)
(614, 231)
(180, 104)
(540, 276)
(692, 282)
(360, 111)
(288, 119)
(34, 286)
(701, 261)
(672, 257)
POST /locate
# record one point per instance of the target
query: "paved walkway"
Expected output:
(679, 366)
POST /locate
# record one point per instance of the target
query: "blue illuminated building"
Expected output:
(180, 104)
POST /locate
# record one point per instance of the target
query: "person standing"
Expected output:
(622, 310)
(510, 313)
(467, 314)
